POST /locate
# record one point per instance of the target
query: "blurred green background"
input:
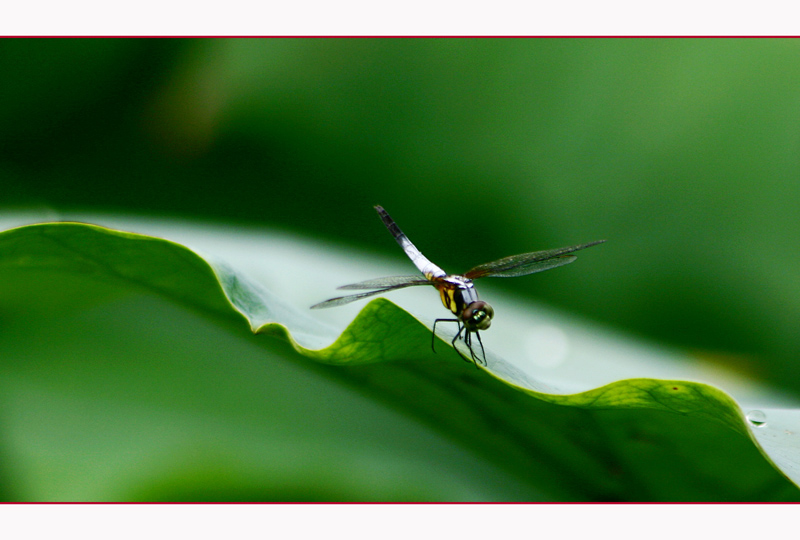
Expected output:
(683, 153)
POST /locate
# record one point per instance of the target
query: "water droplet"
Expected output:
(757, 418)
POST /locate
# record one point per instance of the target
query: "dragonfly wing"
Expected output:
(341, 300)
(390, 281)
(528, 263)
(523, 269)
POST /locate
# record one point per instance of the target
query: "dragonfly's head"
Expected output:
(477, 316)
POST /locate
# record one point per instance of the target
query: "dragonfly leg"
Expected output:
(483, 351)
(461, 329)
(468, 341)
(472, 358)
(433, 337)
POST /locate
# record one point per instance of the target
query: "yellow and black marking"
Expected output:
(457, 292)
(451, 295)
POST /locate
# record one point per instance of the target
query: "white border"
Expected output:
(401, 522)
(409, 18)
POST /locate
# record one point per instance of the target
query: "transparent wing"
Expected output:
(390, 281)
(527, 263)
(341, 300)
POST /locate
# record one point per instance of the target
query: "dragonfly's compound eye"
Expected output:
(478, 316)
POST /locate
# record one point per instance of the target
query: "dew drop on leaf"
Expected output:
(757, 418)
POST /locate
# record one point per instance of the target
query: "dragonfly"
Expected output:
(457, 291)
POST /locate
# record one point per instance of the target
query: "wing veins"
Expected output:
(342, 300)
(527, 263)
(389, 281)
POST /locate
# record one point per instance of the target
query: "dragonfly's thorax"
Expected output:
(460, 297)
(456, 292)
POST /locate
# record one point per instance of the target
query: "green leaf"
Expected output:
(138, 368)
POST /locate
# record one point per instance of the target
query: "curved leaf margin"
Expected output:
(381, 332)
